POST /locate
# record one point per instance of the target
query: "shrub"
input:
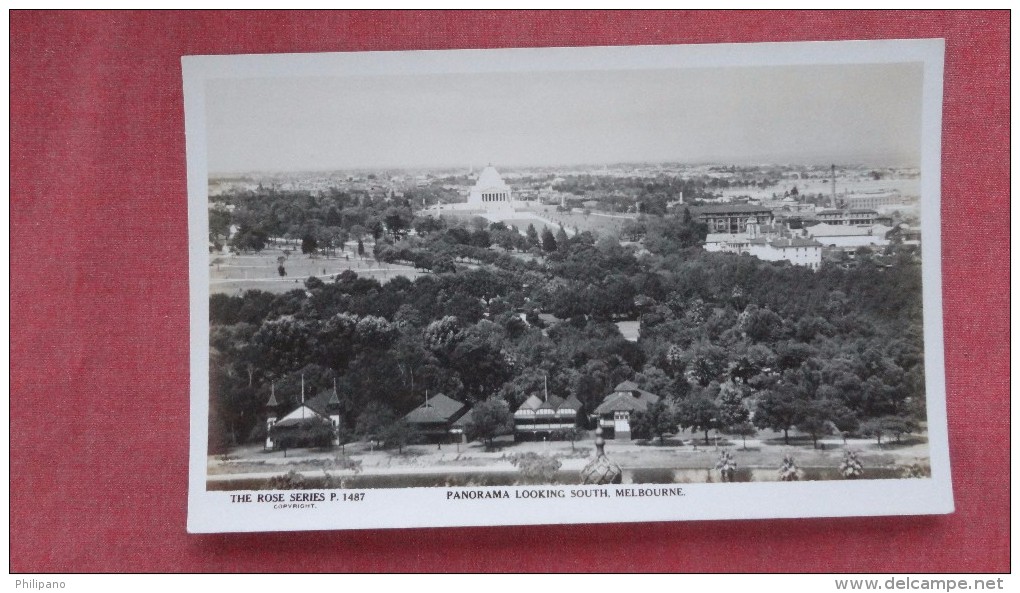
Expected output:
(536, 468)
(292, 480)
(788, 471)
(851, 467)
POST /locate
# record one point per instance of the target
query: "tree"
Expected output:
(731, 405)
(743, 430)
(708, 362)
(374, 422)
(572, 434)
(700, 413)
(249, 239)
(489, 419)
(888, 425)
(657, 421)
(760, 325)
(561, 236)
(655, 380)
(779, 409)
(548, 241)
(874, 428)
(361, 248)
(815, 419)
(399, 434)
(899, 425)
(532, 236)
(344, 435)
(309, 244)
(396, 221)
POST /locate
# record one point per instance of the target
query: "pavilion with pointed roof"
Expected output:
(313, 422)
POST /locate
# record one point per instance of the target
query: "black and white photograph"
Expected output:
(565, 285)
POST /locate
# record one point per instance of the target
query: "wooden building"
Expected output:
(436, 419)
(615, 411)
(313, 423)
(548, 418)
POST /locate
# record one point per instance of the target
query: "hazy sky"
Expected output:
(805, 114)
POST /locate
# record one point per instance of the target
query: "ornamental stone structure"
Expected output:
(601, 470)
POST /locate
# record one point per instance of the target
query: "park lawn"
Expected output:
(234, 274)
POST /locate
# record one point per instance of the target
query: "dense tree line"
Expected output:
(729, 342)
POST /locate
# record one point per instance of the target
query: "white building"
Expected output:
(769, 245)
(843, 236)
(797, 251)
(491, 192)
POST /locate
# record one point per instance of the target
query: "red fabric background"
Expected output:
(99, 302)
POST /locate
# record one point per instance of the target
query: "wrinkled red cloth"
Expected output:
(99, 302)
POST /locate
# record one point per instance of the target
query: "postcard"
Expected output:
(565, 285)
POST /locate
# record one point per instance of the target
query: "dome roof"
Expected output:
(490, 179)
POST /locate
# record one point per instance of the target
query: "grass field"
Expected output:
(542, 215)
(598, 223)
(234, 274)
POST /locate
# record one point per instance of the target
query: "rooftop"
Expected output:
(438, 408)
(627, 397)
(490, 179)
(794, 242)
(728, 209)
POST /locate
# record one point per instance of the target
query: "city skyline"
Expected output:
(811, 115)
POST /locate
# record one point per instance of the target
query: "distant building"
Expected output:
(874, 199)
(846, 236)
(436, 419)
(768, 242)
(906, 234)
(547, 418)
(852, 216)
(490, 192)
(616, 410)
(731, 218)
(796, 250)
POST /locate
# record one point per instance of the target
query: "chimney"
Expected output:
(834, 186)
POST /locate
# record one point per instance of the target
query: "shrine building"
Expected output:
(490, 192)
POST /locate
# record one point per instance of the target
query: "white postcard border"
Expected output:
(210, 511)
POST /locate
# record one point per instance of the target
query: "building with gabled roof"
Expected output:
(314, 422)
(545, 418)
(615, 412)
(435, 418)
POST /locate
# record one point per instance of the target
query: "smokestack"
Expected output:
(834, 186)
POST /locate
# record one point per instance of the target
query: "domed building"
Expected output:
(491, 192)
